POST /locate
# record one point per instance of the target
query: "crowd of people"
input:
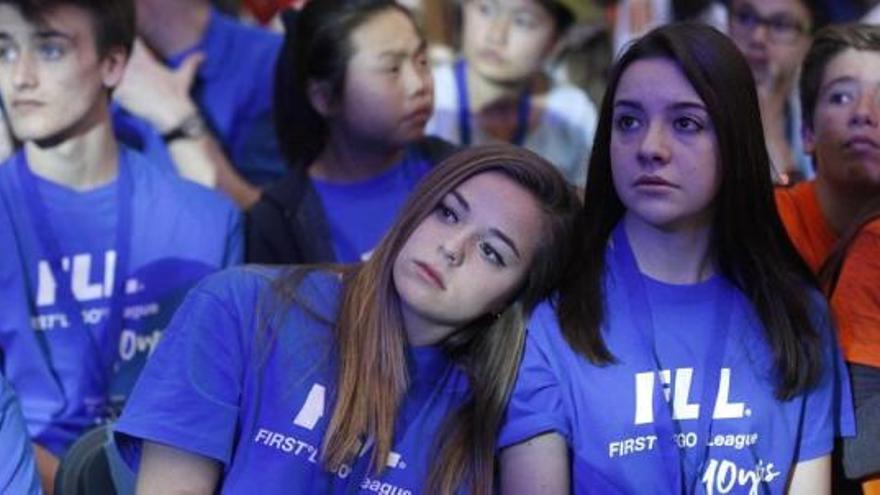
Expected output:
(340, 256)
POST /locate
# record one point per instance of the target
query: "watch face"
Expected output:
(194, 127)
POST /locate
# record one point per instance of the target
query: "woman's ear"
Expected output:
(320, 96)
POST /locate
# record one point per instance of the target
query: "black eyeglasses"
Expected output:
(780, 27)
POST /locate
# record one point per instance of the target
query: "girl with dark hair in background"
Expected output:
(389, 376)
(353, 94)
(705, 323)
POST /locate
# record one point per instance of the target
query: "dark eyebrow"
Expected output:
(506, 240)
(463, 202)
(679, 105)
(689, 105)
(47, 34)
(837, 80)
(628, 103)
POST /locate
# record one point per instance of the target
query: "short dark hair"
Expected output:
(562, 15)
(827, 44)
(113, 21)
(819, 15)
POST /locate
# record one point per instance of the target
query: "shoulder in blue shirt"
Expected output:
(72, 370)
(615, 424)
(234, 88)
(221, 387)
(18, 473)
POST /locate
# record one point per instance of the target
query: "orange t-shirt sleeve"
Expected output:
(856, 301)
(799, 210)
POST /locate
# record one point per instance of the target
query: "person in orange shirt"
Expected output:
(840, 97)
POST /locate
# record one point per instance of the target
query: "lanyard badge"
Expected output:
(51, 250)
(665, 426)
(523, 113)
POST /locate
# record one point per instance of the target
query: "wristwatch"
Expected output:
(192, 127)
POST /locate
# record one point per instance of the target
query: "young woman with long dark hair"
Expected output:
(389, 376)
(689, 350)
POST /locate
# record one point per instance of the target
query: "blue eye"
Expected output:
(8, 53)
(491, 254)
(51, 51)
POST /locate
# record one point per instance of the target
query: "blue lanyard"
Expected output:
(665, 426)
(51, 250)
(523, 109)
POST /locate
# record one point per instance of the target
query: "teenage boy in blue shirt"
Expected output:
(197, 96)
(104, 242)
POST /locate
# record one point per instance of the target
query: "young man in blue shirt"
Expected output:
(105, 243)
(197, 95)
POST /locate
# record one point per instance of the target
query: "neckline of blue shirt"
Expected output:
(700, 292)
(213, 42)
(427, 363)
(387, 177)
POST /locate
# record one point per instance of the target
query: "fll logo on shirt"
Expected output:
(79, 267)
(308, 416)
(682, 408)
(313, 410)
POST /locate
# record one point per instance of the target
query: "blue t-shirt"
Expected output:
(220, 387)
(68, 379)
(234, 88)
(615, 417)
(18, 473)
(359, 214)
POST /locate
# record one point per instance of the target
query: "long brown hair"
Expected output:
(748, 237)
(371, 342)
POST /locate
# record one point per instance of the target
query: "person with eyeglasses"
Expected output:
(774, 36)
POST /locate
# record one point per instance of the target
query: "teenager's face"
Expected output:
(507, 40)
(773, 35)
(469, 256)
(664, 152)
(389, 89)
(52, 80)
(845, 136)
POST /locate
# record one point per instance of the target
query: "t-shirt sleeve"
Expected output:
(828, 408)
(188, 394)
(234, 240)
(17, 471)
(856, 300)
(536, 404)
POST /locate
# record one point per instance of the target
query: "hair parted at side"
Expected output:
(756, 256)
(371, 342)
(827, 43)
(113, 20)
(317, 47)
